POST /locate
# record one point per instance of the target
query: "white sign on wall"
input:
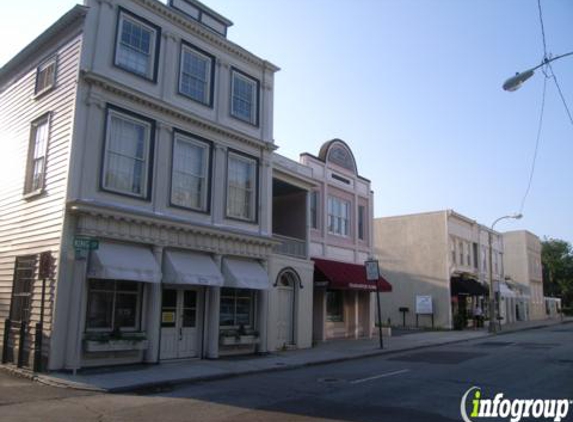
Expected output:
(424, 305)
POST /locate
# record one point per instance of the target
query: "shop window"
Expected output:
(334, 306)
(237, 308)
(112, 305)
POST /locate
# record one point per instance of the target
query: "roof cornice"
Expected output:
(189, 25)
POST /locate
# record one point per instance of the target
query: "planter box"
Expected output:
(241, 340)
(248, 339)
(228, 341)
(123, 345)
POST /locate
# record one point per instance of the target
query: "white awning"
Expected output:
(245, 274)
(505, 291)
(124, 262)
(191, 268)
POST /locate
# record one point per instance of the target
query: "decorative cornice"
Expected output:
(169, 109)
(197, 29)
(120, 225)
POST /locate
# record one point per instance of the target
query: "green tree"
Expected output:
(557, 260)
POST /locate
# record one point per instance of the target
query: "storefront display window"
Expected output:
(237, 308)
(113, 304)
(334, 306)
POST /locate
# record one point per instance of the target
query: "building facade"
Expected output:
(442, 258)
(522, 260)
(138, 152)
(341, 212)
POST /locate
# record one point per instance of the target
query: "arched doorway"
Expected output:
(287, 281)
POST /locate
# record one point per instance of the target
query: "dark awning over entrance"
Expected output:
(345, 276)
(467, 287)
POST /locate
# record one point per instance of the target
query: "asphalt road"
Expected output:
(425, 385)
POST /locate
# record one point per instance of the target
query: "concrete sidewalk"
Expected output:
(139, 377)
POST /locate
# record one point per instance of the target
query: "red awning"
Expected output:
(344, 276)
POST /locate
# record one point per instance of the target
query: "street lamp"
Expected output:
(492, 302)
(515, 82)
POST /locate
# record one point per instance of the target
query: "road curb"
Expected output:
(166, 384)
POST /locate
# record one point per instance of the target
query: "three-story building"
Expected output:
(140, 131)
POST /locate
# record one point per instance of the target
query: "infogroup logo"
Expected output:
(514, 409)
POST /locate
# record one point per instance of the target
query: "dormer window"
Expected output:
(46, 76)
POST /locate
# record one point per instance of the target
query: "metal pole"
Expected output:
(40, 332)
(7, 328)
(492, 313)
(22, 342)
(379, 315)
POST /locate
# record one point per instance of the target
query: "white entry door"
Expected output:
(285, 322)
(179, 332)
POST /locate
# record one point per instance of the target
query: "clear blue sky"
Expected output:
(414, 86)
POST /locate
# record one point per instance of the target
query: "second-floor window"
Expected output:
(37, 151)
(338, 216)
(241, 187)
(314, 210)
(46, 76)
(127, 158)
(196, 75)
(361, 221)
(244, 97)
(189, 181)
(137, 45)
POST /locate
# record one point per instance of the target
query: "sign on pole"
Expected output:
(372, 270)
(373, 274)
(424, 305)
(84, 244)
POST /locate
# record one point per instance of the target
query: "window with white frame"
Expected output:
(237, 308)
(461, 252)
(113, 304)
(484, 258)
(241, 187)
(37, 152)
(196, 74)
(338, 216)
(314, 209)
(137, 45)
(46, 76)
(127, 161)
(190, 169)
(453, 250)
(244, 97)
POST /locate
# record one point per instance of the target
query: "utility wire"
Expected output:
(537, 140)
(554, 77)
(542, 30)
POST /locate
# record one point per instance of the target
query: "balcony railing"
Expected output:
(290, 246)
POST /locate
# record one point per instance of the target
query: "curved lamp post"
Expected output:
(493, 306)
(515, 82)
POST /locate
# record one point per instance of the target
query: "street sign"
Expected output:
(372, 270)
(87, 243)
(83, 245)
